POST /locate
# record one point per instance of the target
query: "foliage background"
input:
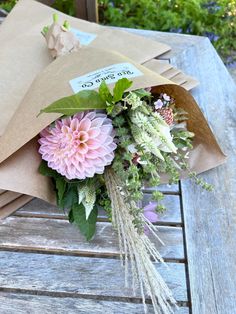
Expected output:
(214, 19)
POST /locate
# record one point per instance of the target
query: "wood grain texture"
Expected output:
(40, 208)
(12, 303)
(60, 236)
(172, 215)
(209, 219)
(79, 276)
(87, 10)
(210, 223)
(213, 278)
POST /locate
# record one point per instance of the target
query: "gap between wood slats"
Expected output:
(49, 304)
(25, 249)
(86, 276)
(185, 251)
(59, 237)
(40, 209)
(99, 219)
(134, 300)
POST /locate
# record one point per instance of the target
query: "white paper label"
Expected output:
(109, 74)
(84, 38)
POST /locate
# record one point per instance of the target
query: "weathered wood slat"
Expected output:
(12, 303)
(210, 218)
(87, 10)
(165, 188)
(210, 223)
(39, 208)
(79, 275)
(60, 236)
(172, 215)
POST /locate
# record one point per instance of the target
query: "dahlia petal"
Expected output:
(93, 144)
(85, 125)
(94, 132)
(91, 115)
(83, 148)
(97, 122)
(74, 125)
(106, 128)
(80, 146)
(79, 115)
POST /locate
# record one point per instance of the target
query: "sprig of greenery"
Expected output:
(82, 212)
(118, 91)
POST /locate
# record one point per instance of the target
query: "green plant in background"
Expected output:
(67, 6)
(214, 19)
(7, 5)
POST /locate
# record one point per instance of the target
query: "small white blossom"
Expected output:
(141, 162)
(166, 97)
(132, 149)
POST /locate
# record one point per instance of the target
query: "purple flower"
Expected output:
(149, 212)
(158, 104)
(166, 97)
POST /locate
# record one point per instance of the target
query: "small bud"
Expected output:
(55, 18)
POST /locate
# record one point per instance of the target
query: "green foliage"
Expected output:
(7, 5)
(215, 19)
(82, 101)
(46, 171)
(82, 211)
(78, 217)
(67, 6)
(105, 93)
(120, 87)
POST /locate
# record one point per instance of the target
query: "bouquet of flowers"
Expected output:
(100, 153)
(125, 127)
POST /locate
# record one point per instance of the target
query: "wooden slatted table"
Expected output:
(47, 267)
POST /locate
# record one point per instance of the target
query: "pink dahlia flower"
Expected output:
(79, 146)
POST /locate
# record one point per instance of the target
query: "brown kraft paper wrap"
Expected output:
(18, 144)
(24, 54)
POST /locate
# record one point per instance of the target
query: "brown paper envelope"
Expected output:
(158, 66)
(24, 54)
(7, 197)
(53, 84)
(29, 17)
(19, 172)
(175, 75)
(10, 208)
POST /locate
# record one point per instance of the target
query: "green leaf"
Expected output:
(61, 188)
(120, 87)
(70, 197)
(141, 93)
(70, 216)
(105, 93)
(82, 101)
(87, 227)
(48, 172)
